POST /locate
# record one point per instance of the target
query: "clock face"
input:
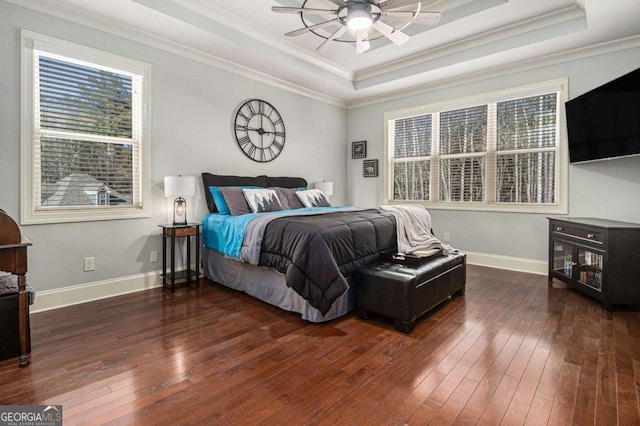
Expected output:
(259, 130)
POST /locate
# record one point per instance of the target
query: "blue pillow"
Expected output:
(221, 204)
(218, 198)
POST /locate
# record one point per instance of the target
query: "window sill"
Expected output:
(82, 215)
(493, 207)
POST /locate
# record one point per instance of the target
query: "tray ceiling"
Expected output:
(474, 36)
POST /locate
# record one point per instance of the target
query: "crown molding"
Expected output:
(494, 39)
(217, 15)
(599, 49)
(127, 32)
(350, 100)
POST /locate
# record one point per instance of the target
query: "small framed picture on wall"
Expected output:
(369, 168)
(359, 149)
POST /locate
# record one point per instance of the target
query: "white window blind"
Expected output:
(87, 135)
(463, 146)
(503, 153)
(526, 150)
(412, 151)
(87, 142)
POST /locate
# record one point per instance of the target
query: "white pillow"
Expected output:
(313, 198)
(262, 200)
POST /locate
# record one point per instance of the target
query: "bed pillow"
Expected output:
(209, 179)
(235, 201)
(313, 198)
(218, 198)
(288, 198)
(221, 201)
(262, 200)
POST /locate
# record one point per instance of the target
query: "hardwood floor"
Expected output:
(511, 351)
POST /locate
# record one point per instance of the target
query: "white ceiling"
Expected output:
(245, 36)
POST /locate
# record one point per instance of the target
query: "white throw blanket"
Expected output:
(413, 224)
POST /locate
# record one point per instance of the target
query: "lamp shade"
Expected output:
(325, 187)
(184, 186)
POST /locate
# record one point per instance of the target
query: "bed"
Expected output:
(275, 240)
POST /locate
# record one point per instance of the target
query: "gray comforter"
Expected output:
(316, 251)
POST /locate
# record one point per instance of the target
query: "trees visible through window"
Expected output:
(504, 152)
(463, 145)
(87, 135)
(411, 149)
(526, 149)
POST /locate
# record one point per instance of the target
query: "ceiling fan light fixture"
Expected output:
(359, 17)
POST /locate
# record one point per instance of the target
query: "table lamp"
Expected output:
(180, 186)
(325, 187)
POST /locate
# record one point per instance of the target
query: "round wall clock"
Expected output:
(259, 130)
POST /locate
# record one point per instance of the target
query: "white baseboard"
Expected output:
(506, 262)
(73, 295)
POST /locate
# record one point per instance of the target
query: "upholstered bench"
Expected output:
(404, 292)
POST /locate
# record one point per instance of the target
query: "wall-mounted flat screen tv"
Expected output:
(605, 122)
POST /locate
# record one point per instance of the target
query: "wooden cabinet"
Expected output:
(13, 259)
(598, 257)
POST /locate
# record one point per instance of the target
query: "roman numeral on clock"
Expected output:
(259, 120)
(243, 142)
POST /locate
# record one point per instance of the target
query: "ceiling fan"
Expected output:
(359, 16)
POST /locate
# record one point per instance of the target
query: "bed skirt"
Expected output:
(269, 285)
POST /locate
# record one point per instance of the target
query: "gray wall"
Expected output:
(608, 189)
(192, 109)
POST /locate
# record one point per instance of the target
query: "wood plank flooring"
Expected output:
(511, 351)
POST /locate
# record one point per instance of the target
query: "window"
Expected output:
(495, 152)
(84, 146)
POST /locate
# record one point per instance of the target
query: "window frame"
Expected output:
(29, 213)
(560, 206)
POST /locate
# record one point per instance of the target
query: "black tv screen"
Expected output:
(605, 122)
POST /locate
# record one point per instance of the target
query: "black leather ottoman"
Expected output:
(405, 292)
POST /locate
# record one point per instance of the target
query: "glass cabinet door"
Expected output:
(589, 268)
(563, 258)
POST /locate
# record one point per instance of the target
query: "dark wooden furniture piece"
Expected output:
(171, 234)
(405, 292)
(598, 257)
(13, 259)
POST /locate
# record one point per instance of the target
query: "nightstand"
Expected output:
(173, 233)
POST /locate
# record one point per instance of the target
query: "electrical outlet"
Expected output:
(89, 264)
(153, 256)
(446, 237)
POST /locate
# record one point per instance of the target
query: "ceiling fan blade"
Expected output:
(425, 18)
(386, 30)
(284, 9)
(394, 4)
(362, 44)
(310, 28)
(337, 2)
(336, 34)
(428, 18)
